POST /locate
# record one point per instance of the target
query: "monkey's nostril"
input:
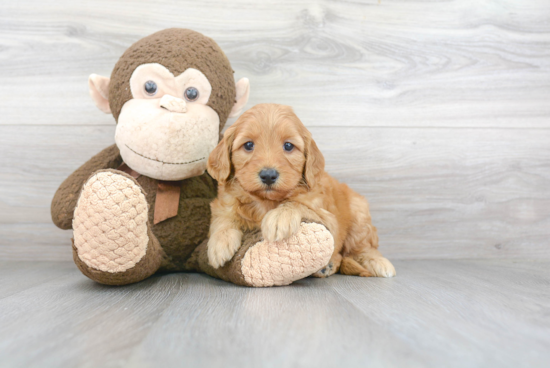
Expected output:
(269, 176)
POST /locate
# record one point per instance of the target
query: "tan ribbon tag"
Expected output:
(167, 201)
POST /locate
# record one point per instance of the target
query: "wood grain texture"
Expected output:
(484, 314)
(434, 313)
(353, 63)
(435, 110)
(434, 193)
(17, 276)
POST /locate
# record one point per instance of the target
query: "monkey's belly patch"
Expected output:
(281, 263)
(110, 223)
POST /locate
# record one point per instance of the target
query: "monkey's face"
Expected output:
(170, 93)
(166, 131)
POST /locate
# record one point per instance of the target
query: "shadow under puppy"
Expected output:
(271, 175)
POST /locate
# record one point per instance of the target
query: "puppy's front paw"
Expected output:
(281, 223)
(222, 246)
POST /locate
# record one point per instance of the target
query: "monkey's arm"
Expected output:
(64, 200)
(261, 263)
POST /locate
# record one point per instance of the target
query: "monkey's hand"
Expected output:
(281, 223)
(223, 245)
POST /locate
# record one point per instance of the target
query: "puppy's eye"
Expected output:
(191, 94)
(288, 146)
(150, 88)
(248, 146)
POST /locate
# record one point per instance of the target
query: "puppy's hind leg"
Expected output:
(375, 263)
(351, 267)
(331, 268)
(362, 241)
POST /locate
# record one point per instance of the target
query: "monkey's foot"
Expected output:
(111, 232)
(283, 262)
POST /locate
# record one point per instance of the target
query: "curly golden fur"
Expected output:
(302, 190)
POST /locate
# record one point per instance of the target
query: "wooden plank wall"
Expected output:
(438, 111)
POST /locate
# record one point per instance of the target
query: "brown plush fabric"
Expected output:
(146, 267)
(177, 49)
(64, 200)
(180, 235)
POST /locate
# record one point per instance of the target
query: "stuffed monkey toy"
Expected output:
(142, 205)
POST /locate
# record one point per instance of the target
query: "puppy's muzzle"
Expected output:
(268, 176)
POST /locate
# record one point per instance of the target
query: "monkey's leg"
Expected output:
(260, 263)
(113, 243)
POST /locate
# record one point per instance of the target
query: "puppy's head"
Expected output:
(269, 152)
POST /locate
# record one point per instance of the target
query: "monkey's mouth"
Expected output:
(164, 162)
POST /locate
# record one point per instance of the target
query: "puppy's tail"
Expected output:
(352, 267)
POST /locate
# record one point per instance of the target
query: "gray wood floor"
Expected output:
(490, 313)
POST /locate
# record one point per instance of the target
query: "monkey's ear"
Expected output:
(219, 161)
(99, 90)
(243, 92)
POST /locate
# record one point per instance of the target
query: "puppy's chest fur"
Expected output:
(246, 209)
(251, 211)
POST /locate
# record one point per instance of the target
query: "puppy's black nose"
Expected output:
(269, 176)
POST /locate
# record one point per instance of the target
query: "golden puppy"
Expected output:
(271, 175)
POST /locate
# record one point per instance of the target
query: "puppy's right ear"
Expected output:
(315, 162)
(219, 161)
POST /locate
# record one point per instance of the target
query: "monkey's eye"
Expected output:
(248, 146)
(288, 146)
(150, 88)
(191, 94)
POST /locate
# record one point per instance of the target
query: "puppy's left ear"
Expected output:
(219, 161)
(315, 162)
(242, 93)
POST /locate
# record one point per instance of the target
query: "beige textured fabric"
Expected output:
(110, 223)
(281, 263)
